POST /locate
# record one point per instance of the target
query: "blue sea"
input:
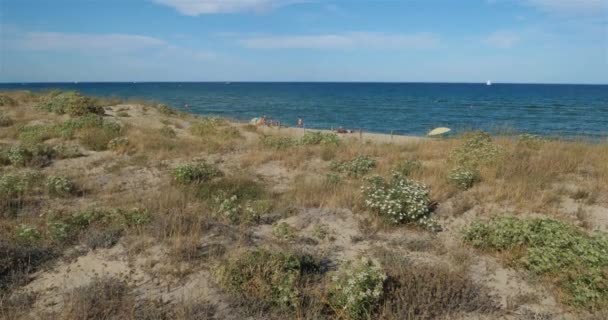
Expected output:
(401, 108)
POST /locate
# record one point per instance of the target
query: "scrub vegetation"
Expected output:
(133, 210)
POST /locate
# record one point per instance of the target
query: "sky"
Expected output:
(522, 41)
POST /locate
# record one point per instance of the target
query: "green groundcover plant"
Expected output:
(551, 248)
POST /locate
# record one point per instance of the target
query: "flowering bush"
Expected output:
(358, 166)
(464, 178)
(357, 288)
(400, 200)
(59, 186)
(228, 207)
(195, 173)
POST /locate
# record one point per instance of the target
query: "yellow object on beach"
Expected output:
(439, 131)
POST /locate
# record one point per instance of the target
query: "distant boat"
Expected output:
(488, 83)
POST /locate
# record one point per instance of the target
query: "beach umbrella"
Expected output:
(254, 120)
(439, 131)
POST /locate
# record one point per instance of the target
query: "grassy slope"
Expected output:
(120, 215)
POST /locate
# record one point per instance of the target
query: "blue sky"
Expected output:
(547, 41)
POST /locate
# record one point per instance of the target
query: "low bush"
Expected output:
(60, 186)
(119, 145)
(464, 178)
(283, 231)
(123, 114)
(66, 228)
(28, 234)
(478, 149)
(236, 210)
(319, 138)
(5, 121)
(431, 291)
(63, 151)
(207, 126)
(356, 167)
(195, 172)
(278, 142)
(37, 133)
(71, 103)
(265, 276)
(399, 200)
(38, 155)
(574, 259)
(15, 187)
(357, 289)
(7, 101)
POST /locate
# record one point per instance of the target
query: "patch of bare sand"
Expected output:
(277, 176)
(152, 274)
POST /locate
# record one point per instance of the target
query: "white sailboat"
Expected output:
(488, 83)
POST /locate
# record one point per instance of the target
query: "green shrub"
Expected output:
(407, 168)
(207, 126)
(358, 166)
(7, 101)
(71, 103)
(270, 277)
(63, 151)
(236, 210)
(60, 186)
(37, 133)
(119, 145)
(18, 155)
(278, 142)
(195, 172)
(68, 227)
(319, 138)
(464, 178)
(284, 231)
(549, 247)
(122, 114)
(28, 233)
(32, 155)
(478, 149)
(357, 289)
(399, 200)
(5, 121)
(15, 185)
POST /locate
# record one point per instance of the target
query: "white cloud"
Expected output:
(44, 41)
(344, 41)
(599, 7)
(502, 39)
(198, 7)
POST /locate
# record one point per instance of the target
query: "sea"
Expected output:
(399, 108)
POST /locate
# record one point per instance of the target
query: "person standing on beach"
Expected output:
(300, 122)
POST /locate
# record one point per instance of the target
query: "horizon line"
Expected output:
(296, 81)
